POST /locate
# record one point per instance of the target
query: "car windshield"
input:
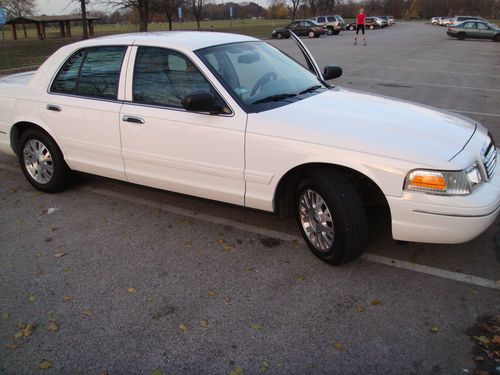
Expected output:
(260, 76)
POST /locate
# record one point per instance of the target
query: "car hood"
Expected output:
(371, 124)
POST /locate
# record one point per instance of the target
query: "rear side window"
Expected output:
(92, 72)
(469, 25)
(320, 20)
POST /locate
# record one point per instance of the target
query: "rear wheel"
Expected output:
(329, 31)
(336, 32)
(42, 162)
(331, 217)
(351, 28)
(311, 34)
(279, 35)
(371, 27)
(461, 36)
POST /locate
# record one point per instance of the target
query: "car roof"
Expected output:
(181, 40)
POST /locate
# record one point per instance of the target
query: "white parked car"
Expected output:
(231, 118)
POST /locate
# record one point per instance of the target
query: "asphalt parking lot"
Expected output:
(122, 279)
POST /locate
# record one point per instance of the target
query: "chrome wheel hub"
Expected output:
(38, 161)
(316, 220)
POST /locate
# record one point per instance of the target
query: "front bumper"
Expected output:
(445, 219)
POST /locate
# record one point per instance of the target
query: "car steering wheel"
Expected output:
(269, 76)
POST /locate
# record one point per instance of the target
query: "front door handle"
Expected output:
(52, 107)
(133, 119)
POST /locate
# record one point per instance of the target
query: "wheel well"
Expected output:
(20, 128)
(369, 192)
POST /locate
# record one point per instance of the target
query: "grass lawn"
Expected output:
(31, 51)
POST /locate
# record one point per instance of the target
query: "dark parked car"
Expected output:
(474, 29)
(305, 27)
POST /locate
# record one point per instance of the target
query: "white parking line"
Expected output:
(456, 276)
(418, 83)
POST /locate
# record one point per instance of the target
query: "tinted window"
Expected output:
(93, 72)
(482, 26)
(164, 77)
(331, 19)
(320, 19)
(469, 25)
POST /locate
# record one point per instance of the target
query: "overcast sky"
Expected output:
(60, 7)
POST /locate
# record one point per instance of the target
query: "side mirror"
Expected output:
(332, 72)
(201, 102)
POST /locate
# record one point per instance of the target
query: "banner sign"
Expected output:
(231, 12)
(179, 12)
(2, 16)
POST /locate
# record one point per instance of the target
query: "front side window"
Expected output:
(470, 25)
(164, 77)
(482, 26)
(320, 20)
(92, 72)
(260, 76)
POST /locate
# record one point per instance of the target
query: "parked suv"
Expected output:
(333, 24)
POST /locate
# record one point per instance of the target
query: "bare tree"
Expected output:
(141, 6)
(166, 7)
(197, 8)
(293, 5)
(19, 8)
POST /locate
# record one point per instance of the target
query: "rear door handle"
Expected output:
(133, 119)
(52, 107)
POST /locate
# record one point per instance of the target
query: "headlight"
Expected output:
(444, 182)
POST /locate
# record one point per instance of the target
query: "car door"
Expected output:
(484, 31)
(168, 147)
(294, 27)
(82, 108)
(470, 29)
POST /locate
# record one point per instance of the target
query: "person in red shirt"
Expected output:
(360, 25)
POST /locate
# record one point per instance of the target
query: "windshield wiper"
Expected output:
(274, 98)
(310, 89)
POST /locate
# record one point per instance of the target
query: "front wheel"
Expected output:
(371, 27)
(311, 34)
(331, 217)
(496, 38)
(461, 36)
(329, 31)
(279, 35)
(42, 162)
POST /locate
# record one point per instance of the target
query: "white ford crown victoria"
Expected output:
(230, 118)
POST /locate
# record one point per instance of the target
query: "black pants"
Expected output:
(360, 27)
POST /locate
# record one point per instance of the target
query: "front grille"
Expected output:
(489, 156)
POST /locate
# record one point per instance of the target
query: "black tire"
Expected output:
(461, 36)
(329, 31)
(496, 38)
(371, 27)
(337, 32)
(311, 34)
(279, 35)
(348, 215)
(351, 28)
(59, 178)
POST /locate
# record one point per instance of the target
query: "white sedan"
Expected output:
(231, 118)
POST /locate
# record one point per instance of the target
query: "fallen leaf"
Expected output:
(13, 346)
(434, 329)
(156, 371)
(301, 278)
(5, 316)
(203, 323)
(236, 371)
(44, 364)
(212, 293)
(52, 327)
(256, 326)
(483, 340)
(360, 309)
(60, 254)
(481, 372)
(478, 358)
(497, 282)
(88, 312)
(338, 345)
(67, 298)
(472, 291)
(32, 298)
(104, 373)
(131, 290)
(249, 269)
(228, 247)
(28, 331)
(280, 364)
(376, 302)
(183, 327)
(66, 269)
(20, 325)
(264, 366)
(495, 339)
(51, 210)
(228, 300)
(188, 243)
(19, 334)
